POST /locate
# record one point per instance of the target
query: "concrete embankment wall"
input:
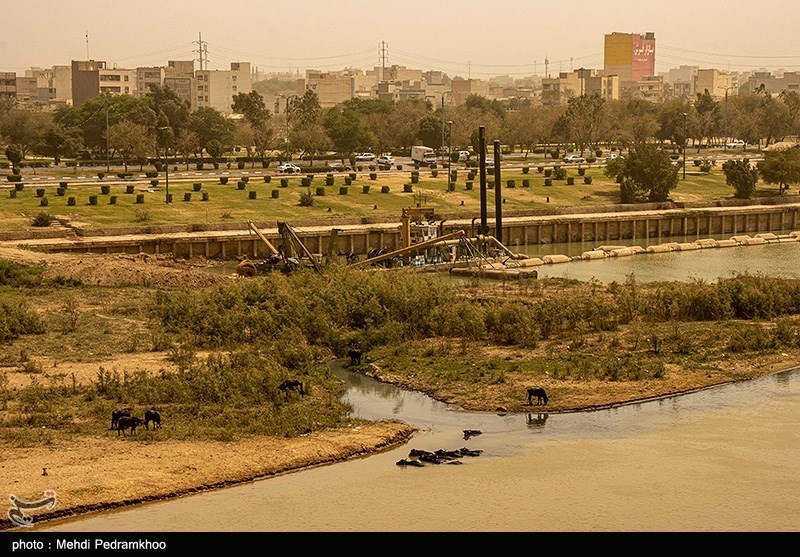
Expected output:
(645, 227)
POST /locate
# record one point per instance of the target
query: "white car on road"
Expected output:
(289, 168)
(386, 159)
(738, 144)
(574, 159)
(365, 157)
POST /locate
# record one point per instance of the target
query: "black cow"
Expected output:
(355, 356)
(292, 385)
(128, 422)
(117, 414)
(539, 393)
(152, 416)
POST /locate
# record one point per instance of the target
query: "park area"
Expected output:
(218, 197)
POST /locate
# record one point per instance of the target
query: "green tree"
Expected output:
(404, 122)
(187, 143)
(647, 173)
(743, 117)
(58, 141)
(671, 123)
(706, 116)
(14, 154)
(263, 138)
(773, 117)
(311, 139)
(781, 167)
(430, 131)
(251, 106)
(132, 141)
(171, 110)
(583, 115)
(211, 125)
(347, 131)
(305, 110)
(742, 176)
(24, 128)
(90, 117)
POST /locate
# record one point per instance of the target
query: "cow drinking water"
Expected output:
(539, 393)
(355, 356)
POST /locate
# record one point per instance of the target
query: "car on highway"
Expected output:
(289, 168)
(385, 160)
(612, 156)
(737, 144)
(365, 157)
(337, 166)
(573, 159)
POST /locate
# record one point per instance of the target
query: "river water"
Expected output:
(726, 459)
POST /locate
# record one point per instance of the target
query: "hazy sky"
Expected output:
(463, 37)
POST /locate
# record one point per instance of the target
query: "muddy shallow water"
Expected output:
(724, 459)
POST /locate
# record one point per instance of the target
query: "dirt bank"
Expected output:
(105, 472)
(115, 270)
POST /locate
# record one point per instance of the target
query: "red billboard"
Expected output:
(643, 63)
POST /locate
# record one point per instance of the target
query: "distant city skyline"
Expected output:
(465, 38)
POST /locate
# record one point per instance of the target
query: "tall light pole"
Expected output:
(108, 163)
(443, 94)
(730, 88)
(449, 149)
(287, 130)
(685, 141)
(166, 165)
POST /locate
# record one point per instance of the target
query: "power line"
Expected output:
(721, 55)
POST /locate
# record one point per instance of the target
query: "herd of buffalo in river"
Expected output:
(122, 421)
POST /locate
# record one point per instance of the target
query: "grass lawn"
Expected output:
(228, 203)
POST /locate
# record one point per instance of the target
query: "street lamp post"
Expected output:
(287, 130)
(685, 141)
(442, 155)
(449, 154)
(166, 166)
(726, 115)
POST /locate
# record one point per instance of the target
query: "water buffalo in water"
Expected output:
(539, 393)
(355, 356)
(117, 414)
(538, 421)
(128, 422)
(292, 385)
(152, 416)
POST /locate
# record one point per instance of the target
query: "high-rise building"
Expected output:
(631, 56)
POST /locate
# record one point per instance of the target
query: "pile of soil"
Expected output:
(115, 270)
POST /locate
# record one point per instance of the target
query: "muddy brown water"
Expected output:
(724, 459)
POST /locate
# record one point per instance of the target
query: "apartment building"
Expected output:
(216, 88)
(337, 87)
(147, 78)
(462, 88)
(772, 83)
(117, 81)
(718, 84)
(8, 84)
(580, 82)
(653, 88)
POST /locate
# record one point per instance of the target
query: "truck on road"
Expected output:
(423, 155)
